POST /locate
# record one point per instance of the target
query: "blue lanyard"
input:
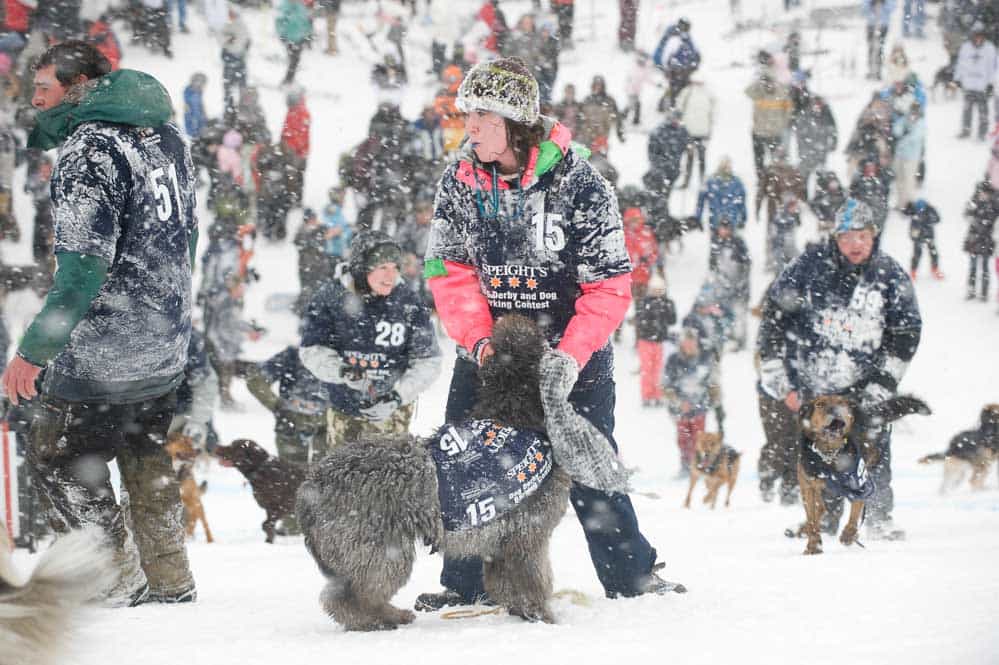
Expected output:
(494, 209)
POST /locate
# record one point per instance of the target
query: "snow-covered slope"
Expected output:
(753, 598)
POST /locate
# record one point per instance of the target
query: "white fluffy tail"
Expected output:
(36, 617)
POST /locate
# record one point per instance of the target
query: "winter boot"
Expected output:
(884, 531)
(432, 602)
(938, 274)
(656, 585)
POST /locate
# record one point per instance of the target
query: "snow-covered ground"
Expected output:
(753, 598)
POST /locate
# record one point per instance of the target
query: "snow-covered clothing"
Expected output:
(830, 326)
(599, 115)
(771, 106)
(815, 130)
(197, 394)
(730, 263)
(667, 145)
(981, 213)
(643, 248)
(878, 12)
(872, 190)
(829, 196)
(725, 196)
(691, 379)
(332, 217)
(369, 347)
(299, 407)
(676, 50)
(228, 158)
(696, 105)
(923, 217)
(194, 111)
(654, 314)
(296, 128)
(124, 207)
(550, 247)
(976, 66)
(910, 137)
(910, 142)
(293, 22)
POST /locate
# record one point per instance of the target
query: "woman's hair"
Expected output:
(72, 59)
(522, 138)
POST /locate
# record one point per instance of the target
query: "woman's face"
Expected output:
(487, 132)
(382, 278)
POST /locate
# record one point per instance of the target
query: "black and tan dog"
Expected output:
(487, 487)
(181, 450)
(718, 463)
(837, 449)
(973, 450)
(274, 481)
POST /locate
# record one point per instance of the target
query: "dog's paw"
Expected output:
(813, 548)
(535, 615)
(403, 617)
(848, 537)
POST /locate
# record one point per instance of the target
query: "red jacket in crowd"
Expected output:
(640, 241)
(295, 132)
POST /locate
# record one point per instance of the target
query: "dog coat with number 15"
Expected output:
(485, 470)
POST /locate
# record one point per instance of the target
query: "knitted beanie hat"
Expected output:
(504, 86)
(854, 215)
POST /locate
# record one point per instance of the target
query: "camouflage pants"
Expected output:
(70, 444)
(342, 428)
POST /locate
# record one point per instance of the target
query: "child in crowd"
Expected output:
(782, 245)
(923, 217)
(829, 196)
(654, 314)
(691, 381)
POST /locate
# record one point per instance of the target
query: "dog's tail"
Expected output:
(898, 407)
(935, 457)
(36, 617)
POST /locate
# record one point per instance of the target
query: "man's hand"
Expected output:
(19, 380)
(793, 401)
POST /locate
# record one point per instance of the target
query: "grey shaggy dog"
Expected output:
(363, 506)
(37, 616)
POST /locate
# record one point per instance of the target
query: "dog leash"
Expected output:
(574, 596)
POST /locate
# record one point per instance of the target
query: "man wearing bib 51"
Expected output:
(109, 346)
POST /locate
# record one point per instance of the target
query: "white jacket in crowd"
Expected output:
(697, 108)
(976, 66)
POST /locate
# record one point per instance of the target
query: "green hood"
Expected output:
(126, 97)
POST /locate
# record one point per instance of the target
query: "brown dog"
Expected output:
(836, 452)
(274, 481)
(718, 463)
(183, 453)
(972, 450)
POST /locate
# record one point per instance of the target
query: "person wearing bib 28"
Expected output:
(370, 339)
(523, 224)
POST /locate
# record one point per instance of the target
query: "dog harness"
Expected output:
(846, 474)
(727, 454)
(484, 470)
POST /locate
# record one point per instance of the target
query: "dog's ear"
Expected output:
(805, 415)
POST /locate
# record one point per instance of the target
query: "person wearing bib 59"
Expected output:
(523, 224)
